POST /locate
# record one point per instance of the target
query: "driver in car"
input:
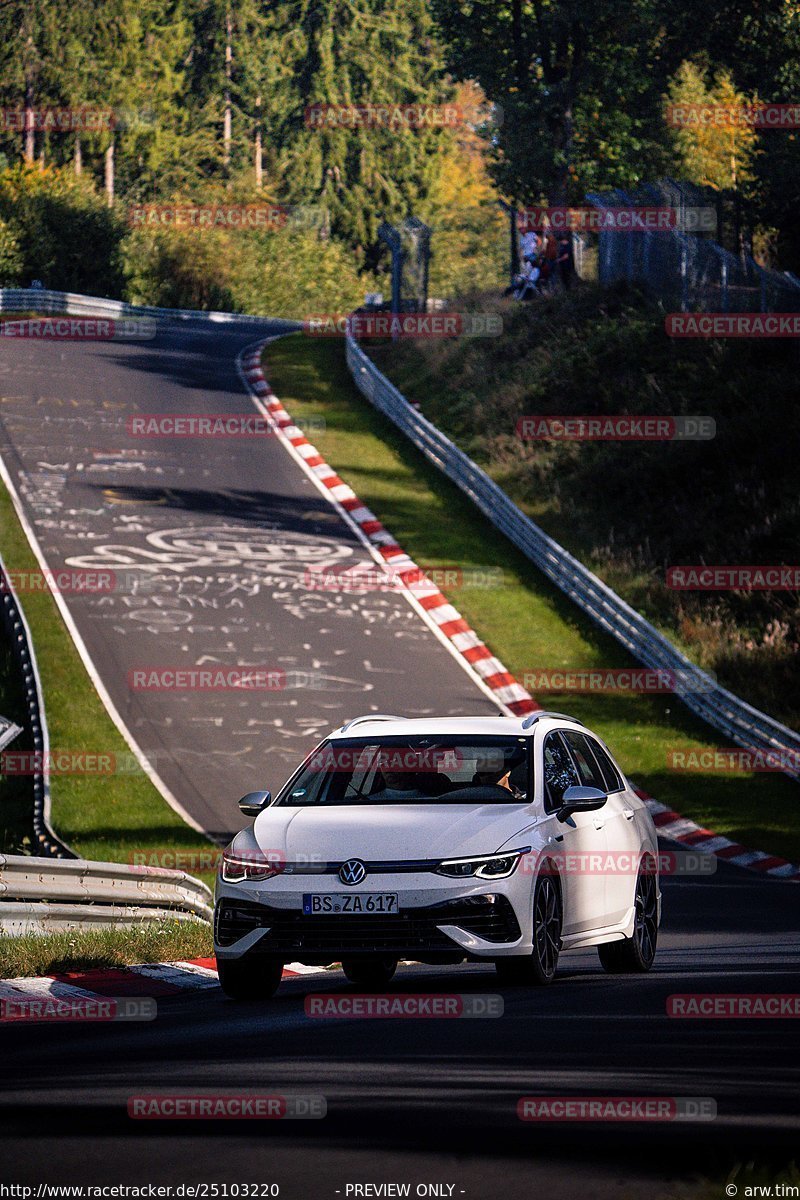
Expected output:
(397, 784)
(489, 772)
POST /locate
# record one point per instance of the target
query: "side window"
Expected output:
(590, 773)
(559, 771)
(613, 783)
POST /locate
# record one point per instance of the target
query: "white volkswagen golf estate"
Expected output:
(495, 839)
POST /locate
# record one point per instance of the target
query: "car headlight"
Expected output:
(236, 868)
(490, 866)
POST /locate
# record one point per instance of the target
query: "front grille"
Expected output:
(404, 932)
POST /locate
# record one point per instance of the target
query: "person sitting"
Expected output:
(396, 786)
(530, 247)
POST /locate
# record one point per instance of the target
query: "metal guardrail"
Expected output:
(13, 618)
(44, 894)
(741, 723)
(73, 304)
(8, 731)
(16, 920)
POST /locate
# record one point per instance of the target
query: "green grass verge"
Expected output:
(629, 510)
(96, 949)
(526, 622)
(103, 817)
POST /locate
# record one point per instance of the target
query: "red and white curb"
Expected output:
(153, 980)
(439, 614)
(449, 625)
(680, 829)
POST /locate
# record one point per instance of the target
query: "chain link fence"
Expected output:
(687, 271)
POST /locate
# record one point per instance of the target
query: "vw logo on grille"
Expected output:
(353, 871)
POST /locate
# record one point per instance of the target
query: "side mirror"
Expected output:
(252, 804)
(580, 799)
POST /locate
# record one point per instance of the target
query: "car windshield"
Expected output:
(412, 770)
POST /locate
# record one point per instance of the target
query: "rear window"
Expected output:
(423, 770)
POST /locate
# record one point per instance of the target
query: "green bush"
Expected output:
(55, 227)
(285, 273)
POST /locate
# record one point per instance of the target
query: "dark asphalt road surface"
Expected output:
(209, 541)
(447, 1089)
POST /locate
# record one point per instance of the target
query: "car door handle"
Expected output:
(558, 837)
(599, 822)
(627, 814)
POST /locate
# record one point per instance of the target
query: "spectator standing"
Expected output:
(566, 259)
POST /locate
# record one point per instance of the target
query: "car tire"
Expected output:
(370, 973)
(249, 979)
(538, 967)
(635, 955)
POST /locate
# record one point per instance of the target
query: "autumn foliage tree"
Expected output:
(715, 136)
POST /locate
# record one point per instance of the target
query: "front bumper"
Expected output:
(477, 925)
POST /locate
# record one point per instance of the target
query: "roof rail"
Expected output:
(537, 716)
(369, 717)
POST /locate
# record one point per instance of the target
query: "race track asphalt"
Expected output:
(210, 541)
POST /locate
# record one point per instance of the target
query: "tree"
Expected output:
(29, 39)
(577, 85)
(715, 154)
(352, 53)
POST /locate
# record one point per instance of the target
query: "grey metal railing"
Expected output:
(45, 302)
(45, 895)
